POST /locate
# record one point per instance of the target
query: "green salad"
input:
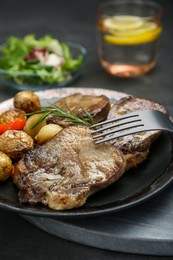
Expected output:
(37, 61)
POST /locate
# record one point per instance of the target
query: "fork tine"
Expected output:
(118, 129)
(132, 123)
(121, 134)
(117, 124)
(118, 118)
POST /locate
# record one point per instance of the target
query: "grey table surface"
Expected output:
(75, 21)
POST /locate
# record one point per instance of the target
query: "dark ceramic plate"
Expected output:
(136, 186)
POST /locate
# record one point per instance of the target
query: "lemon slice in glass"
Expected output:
(123, 22)
(136, 31)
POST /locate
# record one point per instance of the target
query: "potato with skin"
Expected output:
(15, 144)
(11, 115)
(47, 132)
(27, 100)
(6, 166)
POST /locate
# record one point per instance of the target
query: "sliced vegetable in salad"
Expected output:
(38, 61)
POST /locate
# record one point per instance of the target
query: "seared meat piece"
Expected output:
(97, 106)
(67, 169)
(135, 147)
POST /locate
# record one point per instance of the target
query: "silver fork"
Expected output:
(131, 123)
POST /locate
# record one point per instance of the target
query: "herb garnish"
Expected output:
(68, 115)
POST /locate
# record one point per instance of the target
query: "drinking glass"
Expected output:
(128, 33)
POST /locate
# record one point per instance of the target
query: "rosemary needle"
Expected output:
(68, 115)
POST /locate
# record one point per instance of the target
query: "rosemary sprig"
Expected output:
(68, 115)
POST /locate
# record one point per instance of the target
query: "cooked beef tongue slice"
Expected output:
(67, 169)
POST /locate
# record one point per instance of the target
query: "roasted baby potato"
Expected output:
(5, 166)
(11, 115)
(47, 132)
(27, 100)
(15, 143)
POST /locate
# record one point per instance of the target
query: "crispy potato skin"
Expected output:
(15, 144)
(5, 166)
(11, 115)
(27, 100)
